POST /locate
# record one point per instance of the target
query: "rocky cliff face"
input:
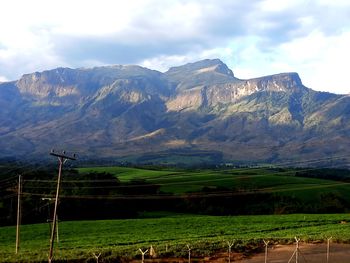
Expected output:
(200, 109)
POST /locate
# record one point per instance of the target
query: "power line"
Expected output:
(193, 195)
(231, 176)
(222, 178)
(13, 178)
(181, 174)
(72, 181)
(8, 196)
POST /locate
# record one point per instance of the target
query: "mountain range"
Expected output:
(198, 112)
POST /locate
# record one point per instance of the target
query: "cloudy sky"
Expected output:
(253, 37)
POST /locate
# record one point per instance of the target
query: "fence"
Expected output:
(299, 252)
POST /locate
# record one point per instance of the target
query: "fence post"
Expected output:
(96, 256)
(266, 247)
(143, 254)
(296, 251)
(230, 244)
(328, 246)
(189, 253)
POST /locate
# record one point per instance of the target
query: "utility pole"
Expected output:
(49, 214)
(62, 158)
(18, 212)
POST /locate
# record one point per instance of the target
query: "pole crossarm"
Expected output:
(63, 155)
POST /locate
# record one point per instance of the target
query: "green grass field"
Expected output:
(205, 234)
(259, 179)
(126, 174)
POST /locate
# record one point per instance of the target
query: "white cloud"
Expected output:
(277, 6)
(3, 79)
(163, 63)
(322, 60)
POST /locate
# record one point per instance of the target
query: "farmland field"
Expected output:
(247, 179)
(170, 208)
(206, 235)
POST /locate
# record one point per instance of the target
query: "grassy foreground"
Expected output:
(169, 235)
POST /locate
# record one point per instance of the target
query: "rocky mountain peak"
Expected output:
(201, 73)
(59, 82)
(287, 82)
(203, 66)
(130, 111)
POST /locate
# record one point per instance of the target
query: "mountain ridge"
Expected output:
(200, 109)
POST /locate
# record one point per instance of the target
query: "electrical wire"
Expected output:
(8, 196)
(185, 182)
(190, 195)
(9, 179)
(184, 175)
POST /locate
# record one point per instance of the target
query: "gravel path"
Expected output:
(310, 253)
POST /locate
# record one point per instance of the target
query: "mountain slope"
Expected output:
(198, 109)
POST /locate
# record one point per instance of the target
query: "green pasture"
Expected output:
(247, 180)
(126, 174)
(205, 234)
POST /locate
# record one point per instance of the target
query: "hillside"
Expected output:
(198, 112)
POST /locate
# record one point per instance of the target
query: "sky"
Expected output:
(253, 37)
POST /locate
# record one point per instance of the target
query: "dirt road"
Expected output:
(310, 253)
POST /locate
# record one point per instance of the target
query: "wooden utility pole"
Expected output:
(18, 212)
(62, 158)
(57, 235)
(50, 220)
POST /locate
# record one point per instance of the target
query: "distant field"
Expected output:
(126, 174)
(205, 234)
(245, 179)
